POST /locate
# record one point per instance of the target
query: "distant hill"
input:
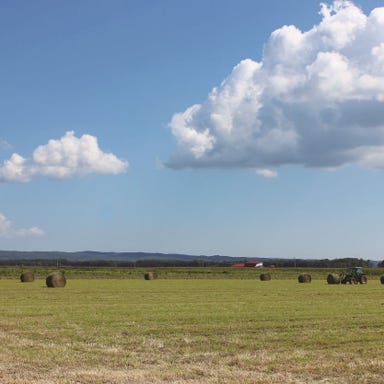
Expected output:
(163, 259)
(116, 256)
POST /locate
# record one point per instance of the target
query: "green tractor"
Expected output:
(353, 275)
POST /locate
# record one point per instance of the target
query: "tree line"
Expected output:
(146, 263)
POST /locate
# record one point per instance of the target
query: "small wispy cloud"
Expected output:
(8, 230)
(4, 144)
(315, 99)
(268, 173)
(67, 157)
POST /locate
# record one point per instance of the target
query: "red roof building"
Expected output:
(249, 264)
(238, 265)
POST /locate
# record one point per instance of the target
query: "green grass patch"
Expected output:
(190, 331)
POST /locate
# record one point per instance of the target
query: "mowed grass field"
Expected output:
(191, 331)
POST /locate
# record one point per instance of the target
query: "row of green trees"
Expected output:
(146, 263)
(325, 263)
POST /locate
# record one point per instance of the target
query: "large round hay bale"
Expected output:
(304, 278)
(150, 275)
(27, 277)
(56, 280)
(333, 278)
(265, 277)
(382, 279)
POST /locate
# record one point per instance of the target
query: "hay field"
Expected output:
(191, 331)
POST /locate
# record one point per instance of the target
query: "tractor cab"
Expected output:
(358, 271)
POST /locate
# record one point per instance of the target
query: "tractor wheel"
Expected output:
(363, 279)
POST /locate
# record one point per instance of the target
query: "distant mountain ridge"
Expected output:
(165, 259)
(115, 256)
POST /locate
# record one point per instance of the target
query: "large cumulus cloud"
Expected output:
(316, 99)
(67, 157)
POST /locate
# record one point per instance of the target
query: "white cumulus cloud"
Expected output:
(316, 99)
(8, 230)
(67, 157)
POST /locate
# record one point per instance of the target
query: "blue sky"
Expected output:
(94, 98)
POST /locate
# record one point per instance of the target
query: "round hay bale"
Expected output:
(150, 275)
(265, 277)
(27, 277)
(56, 280)
(305, 278)
(333, 278)
(382, 279)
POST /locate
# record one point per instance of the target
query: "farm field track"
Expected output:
(233, 330)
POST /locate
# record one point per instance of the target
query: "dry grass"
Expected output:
(109, 331)
(258, 367)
